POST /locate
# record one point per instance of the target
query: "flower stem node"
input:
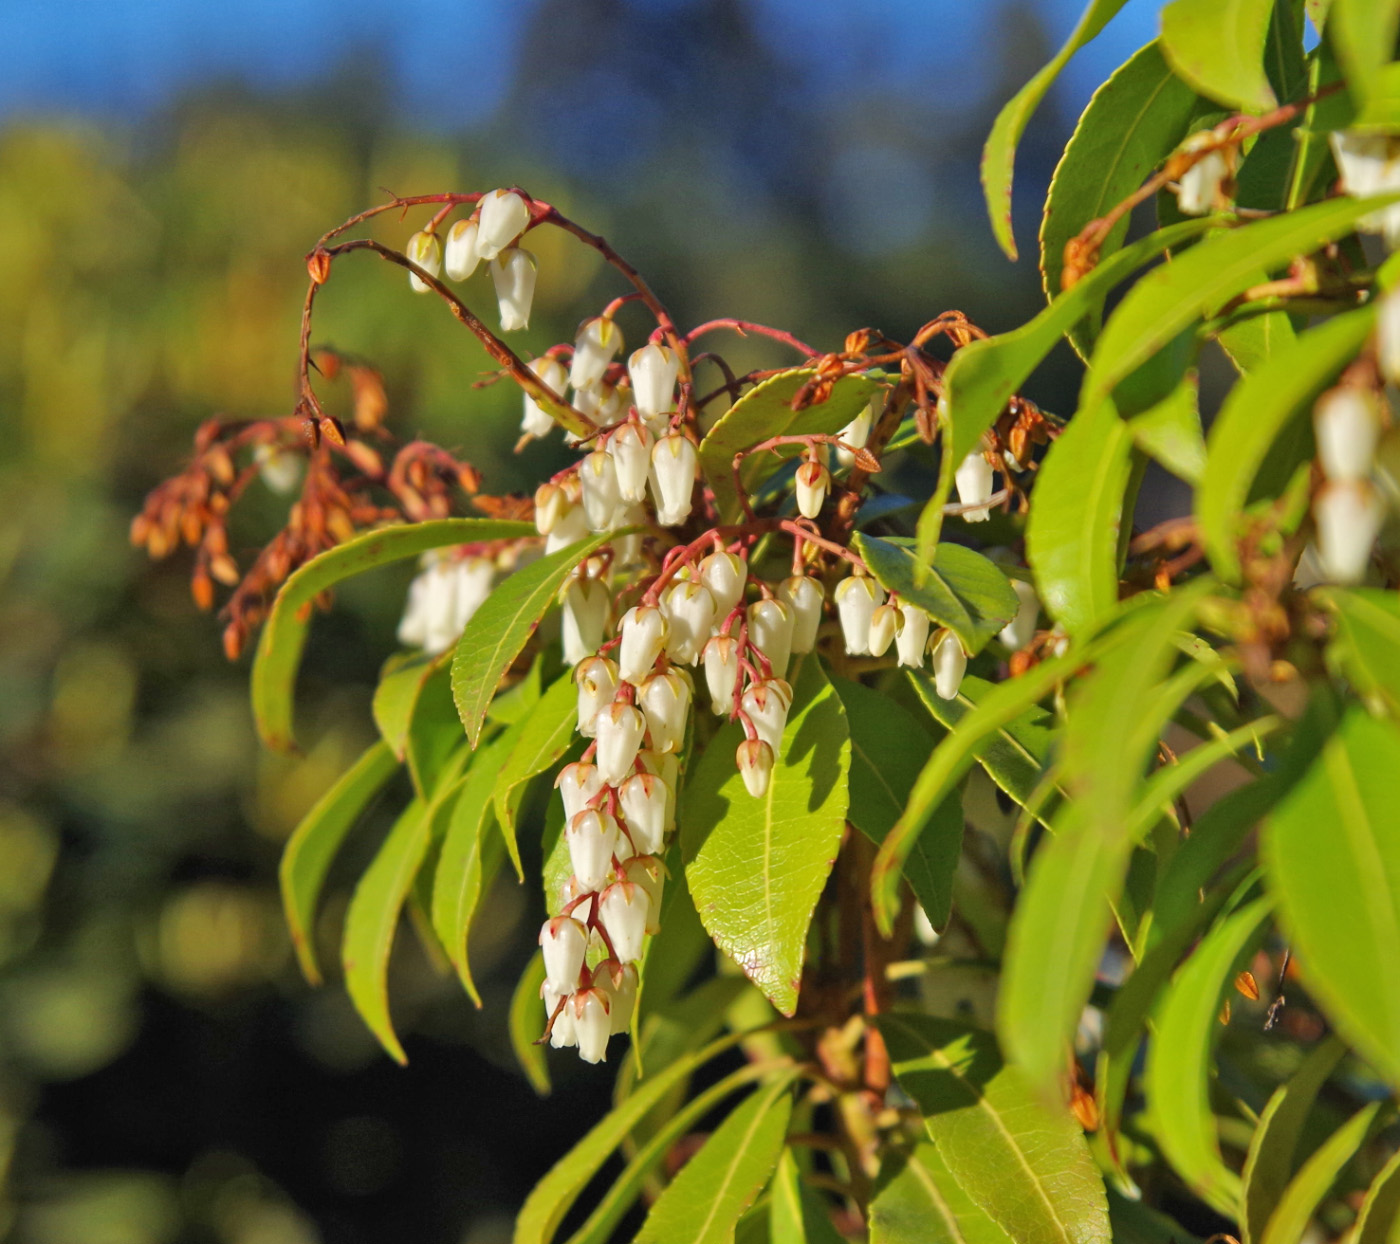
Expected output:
(425, 251)
(755, 761)
(766, 704)
(597, 687)
(644, 634)
(592, 1024)
(643, 798)
(1348, 425)
(690, 616)
(721, 658)
(536, 421)
(813, 480)
(770, 631)
(592, 837)
(725, 575)
(949, 665)
(1348, 515)
(579, 785)
(631, 447)
(856, 600)
(974, 481)
(674, 462)
(804, 596)
(623, 909)
(460, 256)
(598, 340)
(884, 627)
(619, 729)
(513, 273)
(665, 701)
(1017, 633)
(564, 941)
(503, 215)
(653, 370)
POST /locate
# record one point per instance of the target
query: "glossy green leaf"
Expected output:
(1170, 431)
(999, 155)
(1259, 411)
(1339, 890)
(315, 841)
(1380, 1211)
(284, 635)
(499, 630)
(1363, 33)
(1179, 1059)
(396, 693)
(795, 1215)
(434, 731)
(1270, 1164)
(1367, 645)
(1218, 47)
(1026, 1165)
(766, 411)
(962, 590)
(1289, 1221)
(917, 1201)
(1133, 122)
(1255, 339)
(756, 867)
(525, 1023)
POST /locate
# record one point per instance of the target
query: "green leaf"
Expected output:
(1133, 122)
(1269, 1165)
(1380, 1211)
(526, 1022)
(543, 736)
(1339, 890)
(796, 1216)
(434, 732)
(1363, 34)
(1254, 340)
(1218, 47)
(1026, 1165)
(400, 681)
(704, 1202)
(766, 411)
(1252, 423)
(1179, 1059)
(1289, 1222)
(315, 841)
(499, 630)
(962, 590)
(999, 155)
(1170, 431)
(756, 867)
(917, 1201)
(284, 635)
(1367, 644)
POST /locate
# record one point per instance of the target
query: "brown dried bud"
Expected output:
(371, 402)
(339, 525)
(233, 641)
(140, 530)
(867, 462)
(220, 464)
(365, 457)
(311, 429)
(1081, 258)
(318, 264)
(191, 527)
(202, 589)
(1248, 986)
(331, 429)
(216, 540)
(225, 569)
(1020, 662)
(1225, 1012)
(858, 342)
(327, 362)
(1085, 1108)
(468, 477)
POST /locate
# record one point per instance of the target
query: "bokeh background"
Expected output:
(165, 1075)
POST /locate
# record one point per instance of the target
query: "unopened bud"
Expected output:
(725, 575)
(974, 481)
(813, 479)
(585, 618)
(643, 631)
(755, 761)
(1347, 423)
(643, 798)
(912, 641)
(592, 1024)
(569, 528)
(884, 626)
(721, 656)
(602, 501)
(619, 729)
(1017, 633)
(857, 433)
(1200, 184)
(513, 273)
(770, 631)
(949, 665)
(619, 982)
(561, 1033)
(597, 685)
(665, 700)
(1348, 515)
(460, 256)
(674, 461)
(631, 447)
(503, 215)
(623, 909)
(653, 370)
(536, 421)
(690, 616)
(564, 942)
(766, 704)
(804, 596)
(592, 837)
(578, 784)
(856, 600)
(598, 340)
(425, 251)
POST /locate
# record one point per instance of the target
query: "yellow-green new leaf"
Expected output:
(1380, 1211)
(1218, 47)
(1367, 644)
(795, 1215)
(1289, 1222)
(917, 1201)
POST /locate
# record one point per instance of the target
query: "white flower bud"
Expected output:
(766, 704)
(619, 729)
(536, 421)
(643, 798)
(648, 873)
(619, 982)
(884, 626)
(578, 784)
(813, 480)
(912, 641)
(857, 433)
(1017, 633)
(949, 665)
(690, 616)
(666, 766)
(460, 256)
(592, 836)
(1348, 515)
(584, 618)
(623, 912)
(561, 1035)
(569, 528)
(1348, 425)
(440, 610)
(654, 369)
(598, 340)
(592, 1024)
(627, 550)
(1388, 335)
(426, 251)
(665, 700)
(504, 215)
(974, 481)
(804, 596)
(755, 761)
(674, 462)
(721, 658)
(1308, 572)
(513, 273)
(770, 631)
(475, 578)
(631, 447)
(725, 575)
(602, 501)
(551, 502)
(1200, 184)
(856, 600)
(644, 633)
(279, 469)
(1370, 164)
(1059, 641)
(565, 942)
(413, 628)
(597, 685)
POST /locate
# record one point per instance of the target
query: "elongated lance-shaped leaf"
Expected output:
(917, 1201)
(1179, 1059)
(1024, 1163)
(1339, 890)
(400, 682)
(313, 845)
(704, 1202)
(541, 738)
(1367, 643)
(1218, 47)
(525, 1022)
(1251, 426)
(1380, 1211)
(796, 1216)
(1169, 431)
(1363, 33)
(434, 732)
(284, 635)
(497, 631)
(999, 155)
(756, 867)
(1295, 1209)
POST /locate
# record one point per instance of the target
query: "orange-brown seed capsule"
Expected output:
(1225, 1012)
(233, 641)
(225, 569)
(1247, 985)
(332, 430)
(318, 264)
(1085, 1108)
(202, 589)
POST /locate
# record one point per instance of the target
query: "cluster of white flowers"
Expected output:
(489, 235)
(1370, 164)
(448, 589)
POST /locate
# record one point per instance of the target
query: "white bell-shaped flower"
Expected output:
(949, 665)
(513, 273)
(666, 766)
(564, 941)
(653, 370)
(912, 641)
(602, 500)
(551, 502)
(644, 633)
(460, 256)
(413, 627)
(1348, 515)
(631, 447)
(578, 785)
(856, 599)
(440, 609)
(974, 481)
(592, 837)
(426, 251)
(475, 578)
(627, 550)
(619, 982)
(536, 421)
(1369, 164)
(1348, 425)
(674, 462)
(561, 1034)
(1017, 633)
(1388, 335)
(1199, 186)
(643, 798)
(597, 682)
(503, 216)
(755, 761)
(721, 658)
(569, 528)
(618, 731)
(813, 480)
(623, 912)
(770, 631)
(665, 701)
(648, 873)
(592, 1024)
(690, 617)
(1308, 572)
(724, 574)
(279, 469)
(584, 618)
(884, 627)
(804, 596)
(598, 341)
(857, 433)
(766, 703)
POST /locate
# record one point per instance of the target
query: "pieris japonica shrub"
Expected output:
(961, 861)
